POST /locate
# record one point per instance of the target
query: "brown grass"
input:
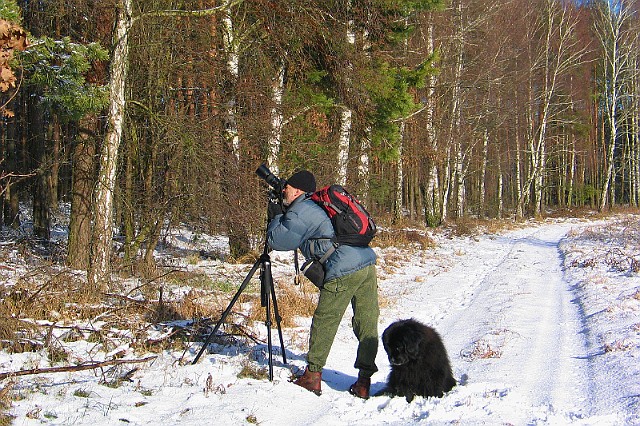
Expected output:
(617, 346)
(5, 404)
(482, 350)
(403, 238)
(46, 292)
(250, 370)
(293, 301)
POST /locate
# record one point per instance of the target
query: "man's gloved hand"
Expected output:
(274, 209)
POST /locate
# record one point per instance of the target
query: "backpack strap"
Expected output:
(296, 264)
(329, 252)
(322, 260)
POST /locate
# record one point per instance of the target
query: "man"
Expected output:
(350, 277)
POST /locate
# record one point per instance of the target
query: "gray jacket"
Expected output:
(306, 226)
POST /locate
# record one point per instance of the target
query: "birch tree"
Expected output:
(231, 50)
(433, 213)
(556, 54)
(277, 119)
(99, 274)
(346, 113)
(99, 271)
(611, 23)
(454, 142)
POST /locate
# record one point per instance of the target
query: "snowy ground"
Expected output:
(542, 326)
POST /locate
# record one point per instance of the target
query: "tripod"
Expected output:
(267, 296)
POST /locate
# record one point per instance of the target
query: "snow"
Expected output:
(541, 323)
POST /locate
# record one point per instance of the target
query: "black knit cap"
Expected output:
(303, 180)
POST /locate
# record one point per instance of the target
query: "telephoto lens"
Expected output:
(275, 182)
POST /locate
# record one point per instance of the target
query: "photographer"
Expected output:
(350, 277)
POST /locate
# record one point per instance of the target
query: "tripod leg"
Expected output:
(228, 310)
(278, 321)
(266, 289)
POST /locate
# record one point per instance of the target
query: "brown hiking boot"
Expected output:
(310, 380)
(361, 387)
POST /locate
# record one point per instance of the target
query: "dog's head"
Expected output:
(402, 342)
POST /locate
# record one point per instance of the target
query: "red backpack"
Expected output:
(352, 223)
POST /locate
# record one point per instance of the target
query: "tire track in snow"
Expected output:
(547, 354)
(512, 322)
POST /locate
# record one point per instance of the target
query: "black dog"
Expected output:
(419, 361)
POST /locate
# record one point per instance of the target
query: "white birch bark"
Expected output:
(548, 90)
(456, 113)
(397, 205)
(612, 17)
(363, 167)
(483, 171)
(345, 119)
(635, 135)
(572, 171)
(233, 66)
(558, 54)
(520, 202)
(99, 270)
(277, 92)
(343, 145)
(99, 273)
(460, 182)
(500, 189)
(635, 122)
(365, 152)
(446, 184)
(433, 184)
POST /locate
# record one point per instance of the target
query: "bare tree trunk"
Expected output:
(519, 168)
(483, 172)
(572, 171)
(233, 67)
(363, 168)
(635, 135)
(343, 145)
(56, 141)
(461, 192)
(82, 184)
(610, 23)
(446, 185)
(99, 273)
(562, 173)
(397, 204)
(11, 207)
(454, 125)
(500, 189)
(41, 153)
(432, 200)
(346, 115)
(239, 243)
(554, 58)
(277, 92)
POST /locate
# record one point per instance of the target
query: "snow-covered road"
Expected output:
(508, 317)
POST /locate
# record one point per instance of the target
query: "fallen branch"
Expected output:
(79, 367)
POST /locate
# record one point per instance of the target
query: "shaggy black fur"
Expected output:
(419, 361)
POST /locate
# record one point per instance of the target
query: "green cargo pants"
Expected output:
(361, 289)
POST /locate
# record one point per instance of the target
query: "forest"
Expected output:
(128, 117)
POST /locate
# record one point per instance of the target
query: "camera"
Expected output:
(274, 181)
